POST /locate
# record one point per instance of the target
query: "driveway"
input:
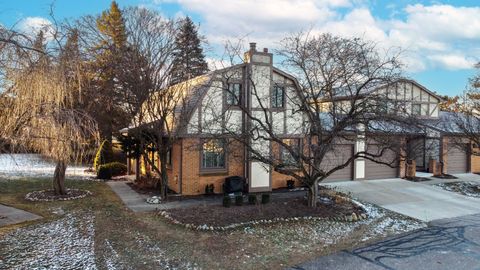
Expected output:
(446, 244)
(417, 200)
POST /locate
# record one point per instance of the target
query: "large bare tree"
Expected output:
(335, 101)
(155, 107)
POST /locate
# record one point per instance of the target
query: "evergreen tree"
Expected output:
(189, 60)
(106, 66)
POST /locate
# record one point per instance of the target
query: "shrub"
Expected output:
(239, 200)
(102, 156)
(290, 184)
(227, 201)
(265, 198)
(107, 171)
(209, 189)
(252, 199)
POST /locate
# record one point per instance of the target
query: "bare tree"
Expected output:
(464, 120)
(155, 107)
(341, 94)
(39, 93)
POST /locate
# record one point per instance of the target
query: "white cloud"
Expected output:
(452, 61)
(433, 36)
(32, 25)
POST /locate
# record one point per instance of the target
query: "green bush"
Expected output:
(107, 171)
(239, 200)
(265, 198)
(252, 199)
(227, 201)
(102, 156)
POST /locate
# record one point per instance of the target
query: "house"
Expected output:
(198, 158)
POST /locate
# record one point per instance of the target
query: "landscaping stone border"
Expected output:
(344, 218)
(33, 196)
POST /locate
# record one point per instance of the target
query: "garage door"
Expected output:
(375, 170)
(456, 160)
(338, 156)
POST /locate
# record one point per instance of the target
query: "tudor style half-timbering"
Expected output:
(217, 104)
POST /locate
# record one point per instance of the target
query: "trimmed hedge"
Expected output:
(107, 171)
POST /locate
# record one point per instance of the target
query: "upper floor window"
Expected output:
(286, 155)
(278, 97)
(213, 154)
(234, 94)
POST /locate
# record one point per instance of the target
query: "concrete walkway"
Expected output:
(418, 200)
(446, 244)
(137, 202)
(10, 215)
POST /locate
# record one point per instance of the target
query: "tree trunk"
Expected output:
(312, 194)
(59, 178)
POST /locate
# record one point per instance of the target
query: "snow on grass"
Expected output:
(18, 166)
(471, 189)
(66, 243)
(302, 236)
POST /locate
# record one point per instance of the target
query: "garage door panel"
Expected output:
(375, 170)
(457, 161)
(339, 156)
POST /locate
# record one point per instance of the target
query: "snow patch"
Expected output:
(18, 166)
(67, 243)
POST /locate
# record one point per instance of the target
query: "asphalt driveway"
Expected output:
(418, 200)
(446, 244)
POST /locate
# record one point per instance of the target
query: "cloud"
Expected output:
(433, 36)
(32, 25)
(452, 61)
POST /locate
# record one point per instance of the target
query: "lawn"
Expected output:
(98, 232)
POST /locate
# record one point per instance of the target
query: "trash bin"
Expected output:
(233, 184)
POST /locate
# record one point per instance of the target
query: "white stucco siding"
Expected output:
(211, 110)
(192, 127)
(233, 121)
(295, 122)
(278, 122)
(434, 110)
(260, 89)
(277, 78)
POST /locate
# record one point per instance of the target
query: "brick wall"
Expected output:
(194, 181)
(174, 169)
(475, 161)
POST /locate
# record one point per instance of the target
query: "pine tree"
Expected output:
(106, 73)
(189, 60)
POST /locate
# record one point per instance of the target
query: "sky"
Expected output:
(440, 40)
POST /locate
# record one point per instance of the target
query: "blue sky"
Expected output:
(440, 39)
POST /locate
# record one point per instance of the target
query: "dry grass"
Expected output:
(145, 241)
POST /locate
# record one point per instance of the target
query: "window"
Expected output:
(213, 154)
(416, 109)
(169, 156)
(234, 94)
(278, 97)
(286, 156)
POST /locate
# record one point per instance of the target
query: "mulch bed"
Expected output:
(217, 215)
(417, 179)
(49, 195)
(445, 176)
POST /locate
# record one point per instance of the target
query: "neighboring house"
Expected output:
(199, 158)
